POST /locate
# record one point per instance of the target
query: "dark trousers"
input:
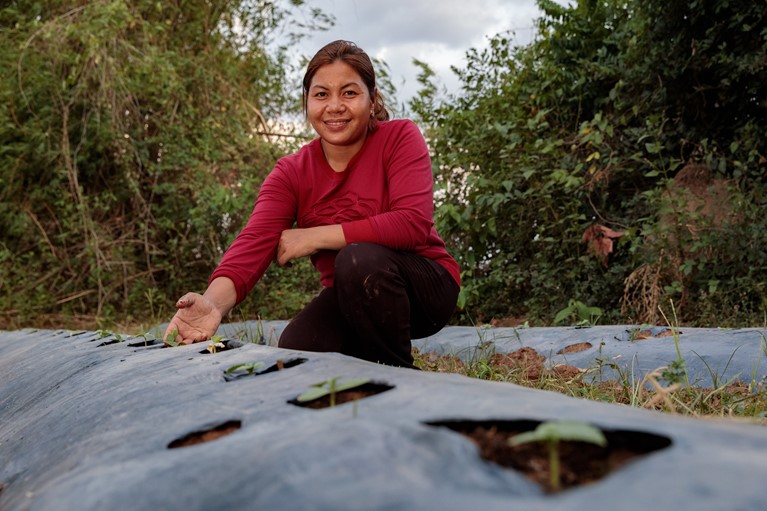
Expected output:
(381, 299)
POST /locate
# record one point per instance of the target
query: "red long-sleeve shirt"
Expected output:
(384, 196)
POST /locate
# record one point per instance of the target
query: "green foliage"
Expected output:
(557, 431)
(171, 339)
(130, 152)
(132, 147)
(591, 124)
(579, 314)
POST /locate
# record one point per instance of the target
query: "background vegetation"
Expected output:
(642, 117)
(132, 146)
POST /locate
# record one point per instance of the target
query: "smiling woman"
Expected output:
(339, 108)
(361, 199)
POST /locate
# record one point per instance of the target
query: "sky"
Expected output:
(438, 32)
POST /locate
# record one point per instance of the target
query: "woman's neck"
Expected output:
(338, 157)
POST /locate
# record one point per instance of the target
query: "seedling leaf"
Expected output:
(551, 433)
(171, 339)
(250, 367)
(312, 394)
(331, 386)
(561, 430)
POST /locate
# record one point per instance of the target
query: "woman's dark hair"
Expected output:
(354, 56)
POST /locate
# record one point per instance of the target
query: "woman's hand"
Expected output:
(196, 320)
(295, 243)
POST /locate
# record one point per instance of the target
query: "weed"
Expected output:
(579, 314)
(677, 371)
(715, 380)
(730, 399)
(155, 314)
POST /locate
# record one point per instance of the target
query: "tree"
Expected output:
(591, 125)
(130, 144)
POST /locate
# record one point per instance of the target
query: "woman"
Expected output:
(361, 196)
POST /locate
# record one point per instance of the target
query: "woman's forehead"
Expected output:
(336, 75)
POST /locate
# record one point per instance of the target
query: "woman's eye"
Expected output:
(350, 93)
(320, 95)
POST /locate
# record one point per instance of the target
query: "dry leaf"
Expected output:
(600, 241)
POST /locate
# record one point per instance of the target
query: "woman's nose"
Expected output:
(335, 104)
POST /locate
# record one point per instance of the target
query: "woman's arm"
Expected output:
(296, 243)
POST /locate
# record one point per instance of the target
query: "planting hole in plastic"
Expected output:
(206, 435)
(580, 462)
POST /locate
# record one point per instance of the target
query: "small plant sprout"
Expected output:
(171, 339)
(107, 333)
(553, 432)
(330, 387)
(216, 344)
(249, 367)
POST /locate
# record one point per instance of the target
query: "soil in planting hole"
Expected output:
(109, 342)
(580, 463)
(345, 396)
(575, 348)
(228, 345)
(208, 435)
(640, 335)
(279, 365)
(145, 344)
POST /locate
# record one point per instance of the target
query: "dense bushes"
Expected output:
(130, 155)
(129, 150)
(642, 117)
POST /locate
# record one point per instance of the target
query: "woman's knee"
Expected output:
(357, 262)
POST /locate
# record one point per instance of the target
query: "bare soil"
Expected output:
(531, 363)
(208, 435)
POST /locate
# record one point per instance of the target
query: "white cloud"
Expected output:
(438, 33)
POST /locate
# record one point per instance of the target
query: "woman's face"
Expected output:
(338, 107)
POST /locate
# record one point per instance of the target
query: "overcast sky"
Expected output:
(438, 32)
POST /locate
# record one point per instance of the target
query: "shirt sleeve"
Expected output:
(255, 247)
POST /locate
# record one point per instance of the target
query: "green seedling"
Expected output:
(171, 339)
(330, 387)
(553, 432)
(216, 344)
(107, 333)
(144, 337)
(249, 367)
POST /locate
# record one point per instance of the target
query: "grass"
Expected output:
(731, 399)
(667, 388)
